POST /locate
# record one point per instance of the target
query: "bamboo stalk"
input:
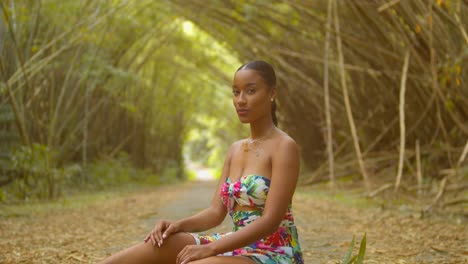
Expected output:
(402, 119)
(31, 67)
(463, 155)
(58, 106)
(433, 57)
(329, 137)
(455, 202)
(19, 55)
(380, 189)
(459, 23)
(309, 57)
(347, 102)
(1, 34)
(84, 153)
(418, 167)
(439, 194)
(19, 120)
(387, 5)
(18, 108)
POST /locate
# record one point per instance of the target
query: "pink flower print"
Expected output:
(236, 189)
(225, 194)
(288, 216)
(276, 239)
(240, 251)
(264, 247)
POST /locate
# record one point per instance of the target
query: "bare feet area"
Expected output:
(85, 229)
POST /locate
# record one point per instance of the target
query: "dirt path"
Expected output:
(86, 231)
(327, 225)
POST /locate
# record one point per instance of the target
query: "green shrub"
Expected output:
(115, 172)
(33, 174)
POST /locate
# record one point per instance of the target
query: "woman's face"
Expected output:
(251, 96)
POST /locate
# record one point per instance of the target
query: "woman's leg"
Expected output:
(147, 253)
(224, 260)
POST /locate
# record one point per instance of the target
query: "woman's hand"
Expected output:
(194, 252)
(162, 230)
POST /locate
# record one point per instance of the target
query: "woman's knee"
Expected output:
(148, 253)
(179, 239)
(223, 259)
(171, 246)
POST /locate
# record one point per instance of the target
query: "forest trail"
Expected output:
(86, 231)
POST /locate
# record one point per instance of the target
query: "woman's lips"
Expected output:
(242, 112)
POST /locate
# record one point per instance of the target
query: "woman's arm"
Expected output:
(206, 219)
(211, 216)
(285, 172)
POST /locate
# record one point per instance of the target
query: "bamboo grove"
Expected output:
(372, 89)
(109, 81)
(382, 81)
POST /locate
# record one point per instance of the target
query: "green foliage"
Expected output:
(349, 254)
(356, 259)
(375, 37)
(8, 137)
(35, 179)
(117, 77)
(362, 251)
(191, 174)
(106, 173)
(33, 175)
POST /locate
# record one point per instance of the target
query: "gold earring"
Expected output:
(272, 100)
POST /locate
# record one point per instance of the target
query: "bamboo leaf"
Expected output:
(362, 251)
(347, 259)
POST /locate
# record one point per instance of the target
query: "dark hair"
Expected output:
(268, 74)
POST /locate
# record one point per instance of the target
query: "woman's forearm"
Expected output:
(251, 233)
(202, 221)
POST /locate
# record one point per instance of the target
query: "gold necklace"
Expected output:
(253, 144)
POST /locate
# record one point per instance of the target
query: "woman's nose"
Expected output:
(240, 99)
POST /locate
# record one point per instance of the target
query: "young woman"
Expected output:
(256, 188)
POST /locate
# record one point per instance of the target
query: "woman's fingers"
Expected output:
(159, 232)
(180, 255)
(153, 238)
(185, 255)
(186, 260)
(158, 236)
(168, 231)
(194, 252)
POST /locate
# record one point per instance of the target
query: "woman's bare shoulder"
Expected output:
(235, 146)
(285, 143)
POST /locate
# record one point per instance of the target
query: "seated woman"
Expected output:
(256, 188)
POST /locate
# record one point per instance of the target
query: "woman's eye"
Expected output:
(235, 93)
(251, 91)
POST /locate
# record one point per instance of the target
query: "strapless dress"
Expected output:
(282, 246)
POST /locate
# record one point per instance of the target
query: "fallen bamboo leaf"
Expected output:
(439, 249)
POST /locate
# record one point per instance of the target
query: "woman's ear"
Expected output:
(273, 94)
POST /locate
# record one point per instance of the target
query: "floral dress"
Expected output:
(280, 247)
